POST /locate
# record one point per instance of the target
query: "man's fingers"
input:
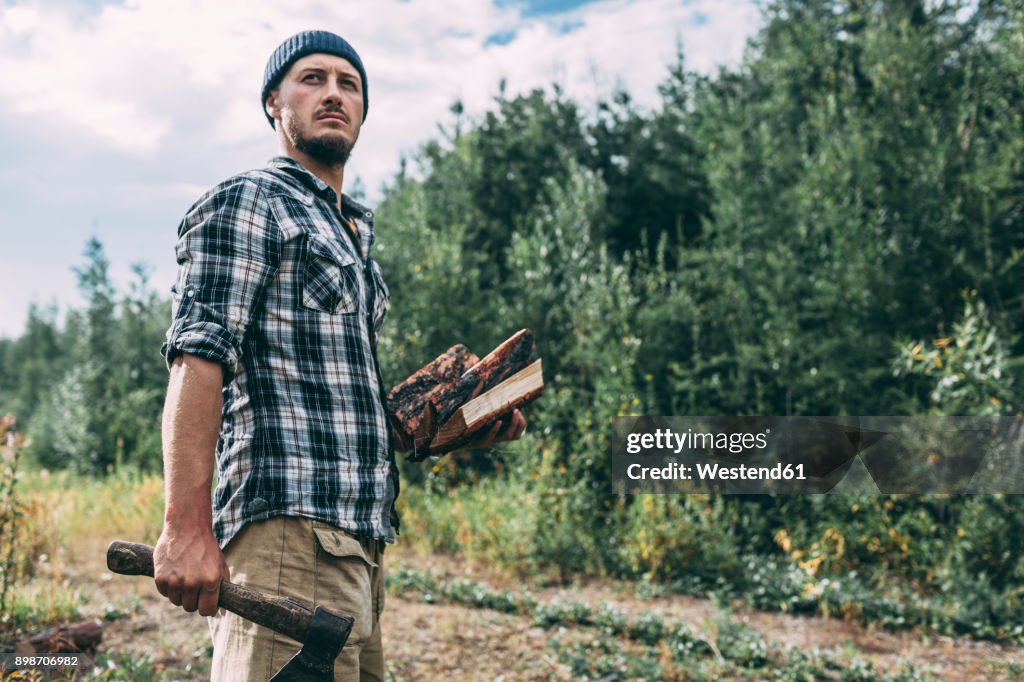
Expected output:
(188, 569)
(174, 594)
(516, 426)
(519, 421)
(190, 599)
(208, 600)
(170, 587)
(506, 433)
(510, 427)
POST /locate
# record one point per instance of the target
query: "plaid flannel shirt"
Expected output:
(271, 285)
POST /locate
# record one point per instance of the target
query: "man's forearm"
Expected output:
(188, 565)
(191, 424)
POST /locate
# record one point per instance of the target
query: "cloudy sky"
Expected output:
(115, 116)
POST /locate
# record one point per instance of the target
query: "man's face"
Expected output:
(319, 106)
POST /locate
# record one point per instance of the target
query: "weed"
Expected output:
(123, 609)
(10, 508)
(562, 612)
(605, 658)
(648, 628)
(739, 643)
(123, 667)
(41, 604)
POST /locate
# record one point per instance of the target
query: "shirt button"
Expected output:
(190, 292)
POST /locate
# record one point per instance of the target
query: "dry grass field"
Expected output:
(448, 618)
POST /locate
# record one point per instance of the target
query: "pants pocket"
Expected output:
(344, 579)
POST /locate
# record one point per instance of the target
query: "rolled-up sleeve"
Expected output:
(228, 250)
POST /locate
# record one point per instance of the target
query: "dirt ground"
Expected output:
(452, 642)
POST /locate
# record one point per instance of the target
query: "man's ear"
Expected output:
(271, 106)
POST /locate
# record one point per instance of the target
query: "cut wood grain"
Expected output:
(426, 403)
(479, 413)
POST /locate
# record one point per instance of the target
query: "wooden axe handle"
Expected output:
(287, 616)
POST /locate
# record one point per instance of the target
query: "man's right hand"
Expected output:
(188, 568)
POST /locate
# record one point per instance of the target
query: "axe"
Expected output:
(322, 631)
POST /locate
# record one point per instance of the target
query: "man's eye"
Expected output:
(310, 77)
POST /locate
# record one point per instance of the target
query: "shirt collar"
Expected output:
(318, 186)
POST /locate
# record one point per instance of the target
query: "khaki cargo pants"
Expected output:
(297, 557)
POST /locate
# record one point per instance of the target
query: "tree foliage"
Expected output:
(834, 226)
(91, 389)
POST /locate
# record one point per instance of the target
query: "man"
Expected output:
(274, 373)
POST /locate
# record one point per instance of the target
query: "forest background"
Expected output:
(834, 227)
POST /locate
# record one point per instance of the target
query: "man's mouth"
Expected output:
(333, 116)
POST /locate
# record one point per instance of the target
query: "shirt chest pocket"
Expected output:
(330, 277)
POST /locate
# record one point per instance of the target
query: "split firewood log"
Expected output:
(410, 402)
(501, 363)
(422, 404)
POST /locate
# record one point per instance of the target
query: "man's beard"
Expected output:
(330, 150)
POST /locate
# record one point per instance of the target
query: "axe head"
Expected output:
(328, 632)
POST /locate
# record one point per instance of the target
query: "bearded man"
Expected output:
(272, 354)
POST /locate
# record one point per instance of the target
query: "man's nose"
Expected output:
(332, 93)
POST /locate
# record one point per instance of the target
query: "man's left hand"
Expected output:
(516, 425)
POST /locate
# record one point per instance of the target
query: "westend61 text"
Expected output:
(715, 472)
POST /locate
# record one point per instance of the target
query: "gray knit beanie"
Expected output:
(297, 47)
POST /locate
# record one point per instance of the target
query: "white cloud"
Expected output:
(131, 108)
(614, 43)
(128, 75)
(20, 20)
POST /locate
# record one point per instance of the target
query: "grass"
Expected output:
(507, 525)
(607, 643)
(79, 515)
(136, 668)
(68, 521)
(41, 603)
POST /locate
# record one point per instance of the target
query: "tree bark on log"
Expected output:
(421, 404)
(498, 365)
(410, 402)
(83, 636)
